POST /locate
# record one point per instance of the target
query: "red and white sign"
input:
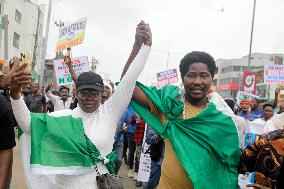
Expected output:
(229, 86)
(249, 82)
(63, 77)
(167, 78)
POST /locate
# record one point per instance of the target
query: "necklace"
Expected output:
(186, 106)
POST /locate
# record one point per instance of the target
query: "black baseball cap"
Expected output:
(90, 80)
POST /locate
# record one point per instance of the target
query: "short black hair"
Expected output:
(257, 100)
(231, 103)
(197, 57)
(63, 87)
(268, 104)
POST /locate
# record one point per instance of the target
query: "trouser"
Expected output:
(125, 146)
(131, 150)
(118, 148)
(137, 157)
(155, 175)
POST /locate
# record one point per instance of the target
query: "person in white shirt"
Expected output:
(98, 119)
(269, 121)
(61, 102)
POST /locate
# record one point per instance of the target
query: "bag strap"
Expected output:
(91, 155)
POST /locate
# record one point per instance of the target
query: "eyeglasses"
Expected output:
(95, 95)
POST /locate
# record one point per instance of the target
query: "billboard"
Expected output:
(229, 86)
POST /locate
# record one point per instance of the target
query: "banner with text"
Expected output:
(145, 161)
(249, 82)
(274, 74)
(71, 35)
(242, 94)
(167, 77)
(63, 77)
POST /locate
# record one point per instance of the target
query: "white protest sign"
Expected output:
(71, 34)
(145, 161)
(63, 77)
(241, 94)
(167, 78)
(274, 74)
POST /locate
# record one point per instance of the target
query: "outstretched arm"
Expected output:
(143, 35)
(277, 91)
(73, 73)
(121, 97)
(49, 94)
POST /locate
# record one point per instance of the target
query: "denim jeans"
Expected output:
(131, 149)
(118, 148)
(155, 175)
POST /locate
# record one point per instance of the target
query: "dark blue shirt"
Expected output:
(258, 113)
(248, 116)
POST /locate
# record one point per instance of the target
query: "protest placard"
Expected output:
(167, 78)
(274, 74)
(63, 76)
(145, 161)
(71, 34)
(249, 82)
(242, 94)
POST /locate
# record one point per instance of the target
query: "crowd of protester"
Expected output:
(169, 117)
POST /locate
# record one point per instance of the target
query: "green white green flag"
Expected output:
(206, 145)
(57, 145)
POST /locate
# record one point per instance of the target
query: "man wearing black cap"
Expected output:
(98, 120)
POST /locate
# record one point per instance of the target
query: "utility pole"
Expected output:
(94, 64)
(36, 40)
(168, 58)
(1, 27)
(6, 22)
(45, 43)
(251, 34)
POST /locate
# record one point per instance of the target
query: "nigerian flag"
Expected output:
(57, 145)
(206, 145)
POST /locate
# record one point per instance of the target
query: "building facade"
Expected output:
(229, 77)
(25, 29)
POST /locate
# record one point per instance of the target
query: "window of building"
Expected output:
(236, 68)
(16, 40)
(225, 81)
(227, 69)
(235, 80)
(18, 16)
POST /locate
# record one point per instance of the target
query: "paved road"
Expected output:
(18, 180)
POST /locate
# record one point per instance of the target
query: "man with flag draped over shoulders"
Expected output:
(200, 130)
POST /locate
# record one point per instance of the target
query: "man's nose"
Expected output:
(197, 80)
